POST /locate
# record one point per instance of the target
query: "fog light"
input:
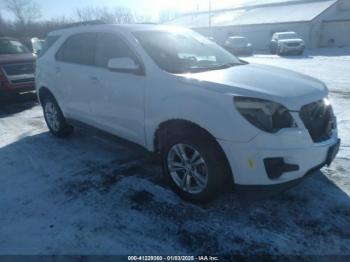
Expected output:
(276, 167)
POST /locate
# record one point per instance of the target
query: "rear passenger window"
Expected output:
(111, 46)
(78, 49)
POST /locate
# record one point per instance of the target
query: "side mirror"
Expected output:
(124, 65)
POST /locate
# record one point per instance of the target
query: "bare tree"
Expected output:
(118, 15)
(88, 13)
(142, 18)
(24, 11)
(168, 15)
(2, 26)
(123, 15)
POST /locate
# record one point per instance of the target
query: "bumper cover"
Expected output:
(294, 146)
(7, 88)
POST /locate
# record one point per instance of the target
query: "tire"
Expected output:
(214, 164)
(54, 118)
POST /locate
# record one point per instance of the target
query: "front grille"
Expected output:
(293, 44)
(23, 81)
(319, 119)
(19, 69)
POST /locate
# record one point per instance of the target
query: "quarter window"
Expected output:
(50, 40)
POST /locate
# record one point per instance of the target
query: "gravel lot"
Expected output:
(88, 196)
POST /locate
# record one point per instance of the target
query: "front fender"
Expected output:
(210, 110)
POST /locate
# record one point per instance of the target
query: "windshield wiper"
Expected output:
(212, 68)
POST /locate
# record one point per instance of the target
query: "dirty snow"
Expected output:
(88, 196)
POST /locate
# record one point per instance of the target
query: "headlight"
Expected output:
(265, 115)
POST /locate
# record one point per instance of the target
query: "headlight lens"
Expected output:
(266, 115)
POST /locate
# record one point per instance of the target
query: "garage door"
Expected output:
(335, 33)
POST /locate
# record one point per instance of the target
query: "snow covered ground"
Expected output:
(88, 196)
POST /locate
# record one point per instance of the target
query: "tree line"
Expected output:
(27, 14)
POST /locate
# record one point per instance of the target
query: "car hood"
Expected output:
(17, 58)
(288, 88)
(240, 45)
(296, 40)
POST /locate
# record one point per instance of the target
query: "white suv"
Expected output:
(286, 43)
(210, 116)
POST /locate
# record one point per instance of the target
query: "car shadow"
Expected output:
(17, 104)
(114, 181)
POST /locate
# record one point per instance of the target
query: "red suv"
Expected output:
(17, 65)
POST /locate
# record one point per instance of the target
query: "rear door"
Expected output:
(75, 65)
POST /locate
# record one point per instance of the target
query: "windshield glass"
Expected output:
(183, 51)
(10, 47)
(288, 36)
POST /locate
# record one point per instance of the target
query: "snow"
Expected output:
(88, 196)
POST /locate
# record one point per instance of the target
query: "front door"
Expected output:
(118, 104)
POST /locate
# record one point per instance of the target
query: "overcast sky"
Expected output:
(58, 8)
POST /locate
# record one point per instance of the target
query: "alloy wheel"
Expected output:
(51, 114)
(188, 168)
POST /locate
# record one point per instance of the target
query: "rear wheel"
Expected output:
(194, 167)
(54, 118)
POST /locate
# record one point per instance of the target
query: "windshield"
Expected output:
(11, 47)
(288, 36)
(183, 51)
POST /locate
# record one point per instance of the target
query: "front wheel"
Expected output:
(194, 167)
(54, 118)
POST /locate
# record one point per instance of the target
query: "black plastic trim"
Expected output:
(270, 190)
(276, 167)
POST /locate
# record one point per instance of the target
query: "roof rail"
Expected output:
(147, 23)
(85, 23)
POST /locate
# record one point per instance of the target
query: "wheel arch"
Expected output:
(172, 126)
(43, 92)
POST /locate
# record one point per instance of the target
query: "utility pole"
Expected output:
(210, 15)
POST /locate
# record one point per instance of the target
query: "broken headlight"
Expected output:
(266, 115)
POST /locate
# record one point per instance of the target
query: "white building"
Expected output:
(321, 23)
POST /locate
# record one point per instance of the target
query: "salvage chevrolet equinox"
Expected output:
(211, 117)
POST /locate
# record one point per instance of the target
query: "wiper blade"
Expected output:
(218, 67)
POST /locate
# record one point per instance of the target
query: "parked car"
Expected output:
(238, 45)
(17, 65)
(212, 118)
(286, 43)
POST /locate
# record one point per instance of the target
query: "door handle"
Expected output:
(94, 79)
(58, 69)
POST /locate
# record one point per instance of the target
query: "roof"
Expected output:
(285, 33)
(118, 27)
(258, 14)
